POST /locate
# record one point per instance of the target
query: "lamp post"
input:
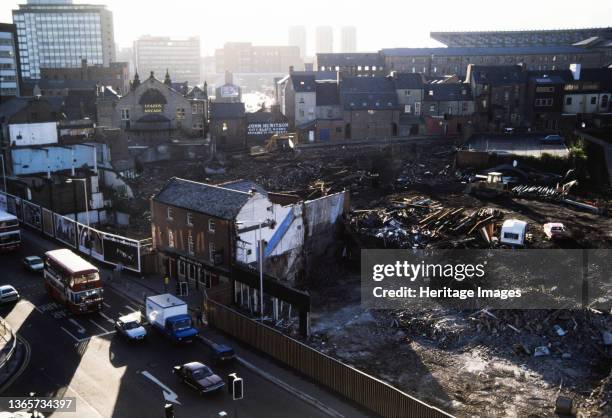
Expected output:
(3, 173)
(259, 224)
(69, 181)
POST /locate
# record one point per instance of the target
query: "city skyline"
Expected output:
(377, 29)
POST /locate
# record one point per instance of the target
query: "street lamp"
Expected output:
(3, 173)
(69, 181)
(260, 224)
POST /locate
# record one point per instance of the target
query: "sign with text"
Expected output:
(153, 108)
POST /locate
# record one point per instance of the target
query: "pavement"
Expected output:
(81, 357)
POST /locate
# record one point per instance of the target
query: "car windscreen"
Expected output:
(201, 373)
(131, 325)
(182, 324)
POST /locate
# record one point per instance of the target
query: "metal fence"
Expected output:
(365, 390)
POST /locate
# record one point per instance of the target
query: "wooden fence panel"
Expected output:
(365, 390)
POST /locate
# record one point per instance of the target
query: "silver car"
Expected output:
(8, 294)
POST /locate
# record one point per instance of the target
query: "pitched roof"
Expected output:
(497, 75)
(218, 201)
(303, 83)
(370, 101)
(447, 92)
(244, 186)
(220, 110)
(550, 77)
(353, 84)
(10, 107)
(408, 80)
(327, 93)
(353, 58)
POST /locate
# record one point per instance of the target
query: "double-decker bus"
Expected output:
(73, 281)
(10, 235)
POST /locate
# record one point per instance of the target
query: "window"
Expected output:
(190, 245)
(211, 251)
(338, 129)
(301, 113)
(211, 225)
(171, 242)
(430, 92)
(189, 219)
(511, 235)
(568, 100)
(170, 213)
(180, 113)
(125, 114)
(594, 100)
(464, 106)
(604, 102)
(407, 92)
(544, 102)
(546, 89)
(432, 108)
(417, 108)
(407, 108)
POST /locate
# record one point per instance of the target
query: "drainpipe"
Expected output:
(72, 162)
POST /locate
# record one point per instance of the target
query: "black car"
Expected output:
(199, 376)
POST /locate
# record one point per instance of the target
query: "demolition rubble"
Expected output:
(473, 363)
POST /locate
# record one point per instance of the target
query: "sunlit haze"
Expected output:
(389, 24)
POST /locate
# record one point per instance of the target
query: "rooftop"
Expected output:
(219, 201)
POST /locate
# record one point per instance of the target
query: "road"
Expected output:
(82, 357)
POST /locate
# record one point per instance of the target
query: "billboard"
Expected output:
(267, 128)
(118, 250)
(32, 215)
(65, 230)
(22, 134)
(47, 221)
(90, 242)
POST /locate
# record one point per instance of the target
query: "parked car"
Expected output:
(199, 376)
(8, 294)
(555, 230)
(552, 139)
(129, 326)
(34, 263)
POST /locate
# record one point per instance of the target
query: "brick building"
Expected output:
(116, 75)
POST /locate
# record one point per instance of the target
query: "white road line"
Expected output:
(131, 309)
(106, 304)
(78, 340)
(103, 315)
(80, 328)
(98, 325)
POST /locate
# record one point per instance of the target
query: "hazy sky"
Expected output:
(380, 24)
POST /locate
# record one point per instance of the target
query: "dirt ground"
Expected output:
(472, 363)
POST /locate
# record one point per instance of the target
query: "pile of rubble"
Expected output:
(420, 222)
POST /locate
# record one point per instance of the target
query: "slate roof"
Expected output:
(327, 93)
(370, 101)
(458, 51)
(244, 186)
(355, 84)
(408, 80)
(226, 110)
(447, 92)
(497, 75)
(550, 77)
(303, 83)
(220, 202)
(10, 107)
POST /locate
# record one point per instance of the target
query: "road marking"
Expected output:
(106, 304)
(131, 309)
(74, 322)
(98, 325)
(24, 364)
(169, 395)
(103, 315)
(78, 340)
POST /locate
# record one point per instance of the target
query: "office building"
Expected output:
(180, 57)
(325, 39)
(297, 37)
(9, 61)
(59, 34)
(244, 57)
(348, 39)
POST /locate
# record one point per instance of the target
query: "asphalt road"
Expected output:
(81, 357)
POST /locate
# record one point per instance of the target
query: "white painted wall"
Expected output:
(22, 134)
(582, 103)
(259, 208)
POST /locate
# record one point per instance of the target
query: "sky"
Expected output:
(380, 24)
